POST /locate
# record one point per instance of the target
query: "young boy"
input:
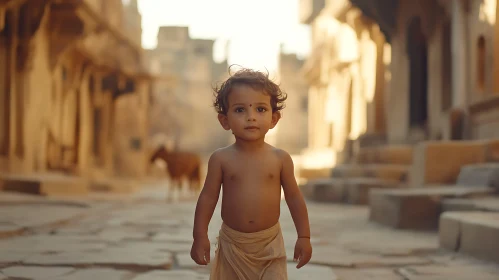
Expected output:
(250, 244)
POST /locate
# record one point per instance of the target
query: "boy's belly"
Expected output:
(251, 209)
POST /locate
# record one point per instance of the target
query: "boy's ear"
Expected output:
(276, 116)
(224, 122)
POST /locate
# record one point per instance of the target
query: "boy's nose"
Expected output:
(251, 116)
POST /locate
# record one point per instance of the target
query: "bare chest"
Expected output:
(244, 171)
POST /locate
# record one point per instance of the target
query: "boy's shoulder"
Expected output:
(280, 153)
(221, 152)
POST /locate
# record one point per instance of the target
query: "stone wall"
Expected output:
(292, 129)
(184, 110)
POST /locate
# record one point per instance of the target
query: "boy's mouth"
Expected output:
(251, 127)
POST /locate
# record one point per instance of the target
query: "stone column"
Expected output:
(3, 11)
(496, 51)
(458, 51)
(13, 83)
(323, 130)
(86, 122)
(108, 131)
(312, 120)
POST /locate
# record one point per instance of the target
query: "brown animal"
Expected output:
(181, 165)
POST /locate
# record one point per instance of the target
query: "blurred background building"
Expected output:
(68, 70)
(183, 111)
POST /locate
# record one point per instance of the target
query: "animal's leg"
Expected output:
(172, 190)
(194, 186)
(195, 181)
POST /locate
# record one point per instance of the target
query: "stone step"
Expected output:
(416, 208)
(484, 174)
(112, 185)
(357, 189)
(380, 171)
(44, 184)
(489, 204)
(396, 154)
(492, 152)
(472, 233)
(350, 190)
(315, 173)
(440, 162)
(325, 190)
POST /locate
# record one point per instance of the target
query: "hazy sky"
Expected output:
(255, 28)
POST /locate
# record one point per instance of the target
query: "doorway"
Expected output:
(418, 77)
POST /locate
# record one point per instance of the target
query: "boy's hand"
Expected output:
(200, 251)
(303, 251)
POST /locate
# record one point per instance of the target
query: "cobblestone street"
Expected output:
(142, 237)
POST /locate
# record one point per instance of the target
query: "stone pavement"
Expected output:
(145, 238)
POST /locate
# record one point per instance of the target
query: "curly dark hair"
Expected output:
(255, 79)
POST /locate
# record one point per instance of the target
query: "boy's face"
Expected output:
(249, 113)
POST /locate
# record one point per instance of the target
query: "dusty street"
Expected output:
(141, 237)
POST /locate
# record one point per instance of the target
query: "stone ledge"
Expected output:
(349, 190)
(317, 173)
(44, 184)
(357, 189)
(416, 208)
(471, 233)
(393, 154)
(439, 162)
(485, 174)
(380, 171)
(325, 190)
(489, 204)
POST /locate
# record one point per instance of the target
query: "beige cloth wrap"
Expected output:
(250, 256)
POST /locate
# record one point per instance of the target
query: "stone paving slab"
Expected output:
(152, 240)
(23, 215)
(368, 274)
(174, 274)
(441, 272)
(120, 259)
(473, 233)
(33, 272)
(97, 273)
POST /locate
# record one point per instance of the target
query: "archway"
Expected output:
(418, 77)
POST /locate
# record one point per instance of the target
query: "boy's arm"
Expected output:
(293, 197)
(208, 197)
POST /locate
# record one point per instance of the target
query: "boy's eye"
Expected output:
(261, 109)
(239, 110)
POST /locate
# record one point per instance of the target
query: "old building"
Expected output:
(346, 73)
(442, 68)
(67, 64)
(291, 131)
(439, 149)
(133, 21)
(184, 110)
